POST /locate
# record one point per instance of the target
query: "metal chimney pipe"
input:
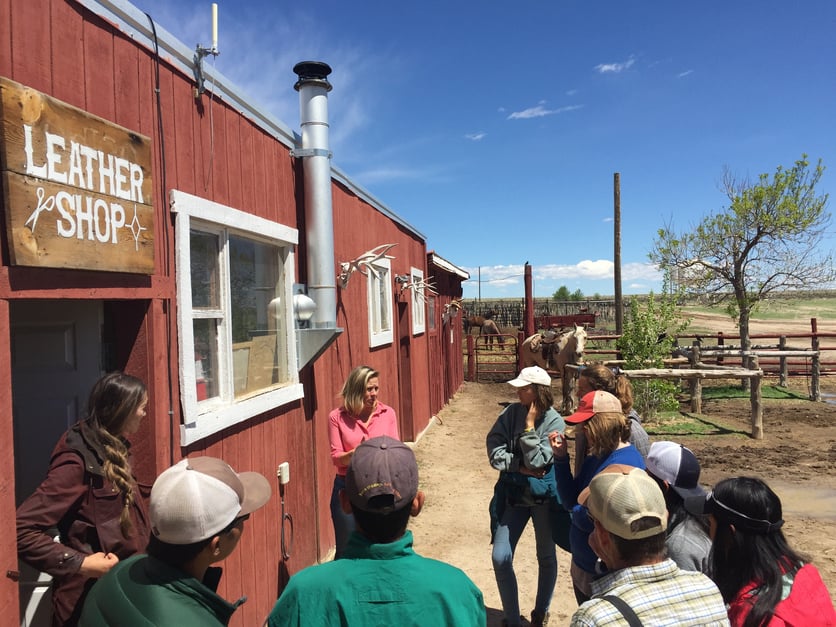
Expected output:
(313, 88)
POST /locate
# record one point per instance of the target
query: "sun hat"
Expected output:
(382, 476)
(199, 497)
(592, 403)
(620, 495)
(532, 374)
(677, 465)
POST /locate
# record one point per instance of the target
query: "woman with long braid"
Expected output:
(90, 499)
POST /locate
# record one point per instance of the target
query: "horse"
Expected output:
(492, 334)
(552, 351)
(471, 321)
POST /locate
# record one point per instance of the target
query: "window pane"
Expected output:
(206, 358)
(383, 299)
(204, 270)
(431, 311)
(254, 278)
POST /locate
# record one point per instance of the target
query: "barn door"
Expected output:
(407, 422)
(56, 355)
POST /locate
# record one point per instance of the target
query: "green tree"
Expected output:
(562, 293)
(766, 240)
(577, 295)
(650, 329)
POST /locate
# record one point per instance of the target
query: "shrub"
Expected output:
(650, 328)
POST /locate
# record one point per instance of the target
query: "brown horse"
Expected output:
(471, 321)
(492, 334)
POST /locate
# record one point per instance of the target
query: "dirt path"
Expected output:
(797, 457)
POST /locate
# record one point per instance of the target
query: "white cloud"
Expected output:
(684, 74)
(615, 68)
(475, 136)
(540, 111)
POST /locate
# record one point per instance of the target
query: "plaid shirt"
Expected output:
(660, 594)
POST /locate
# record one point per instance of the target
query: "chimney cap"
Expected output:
(312, 71)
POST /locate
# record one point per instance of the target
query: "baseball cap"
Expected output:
(532, 374)
(382, 476)
(199, 497)
(677, 465)
(594, 403)
(619, 495)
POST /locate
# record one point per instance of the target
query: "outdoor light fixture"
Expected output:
(304, 308)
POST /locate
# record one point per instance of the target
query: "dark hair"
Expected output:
(677, 514)
(175, 554)
(600, 377)
(113, 400)
(382, 528)
(179, 554)
(544, 398)
(639, 551)
(740, 556)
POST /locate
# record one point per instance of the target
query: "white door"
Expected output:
(56, 358)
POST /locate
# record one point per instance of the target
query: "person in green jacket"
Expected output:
(197, 511)
(380, 580)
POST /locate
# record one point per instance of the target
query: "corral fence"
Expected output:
(511, 312)
(489, 360)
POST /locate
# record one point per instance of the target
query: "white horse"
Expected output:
(551, 351)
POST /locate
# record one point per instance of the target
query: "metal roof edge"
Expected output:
(442, 263)
(136, 24)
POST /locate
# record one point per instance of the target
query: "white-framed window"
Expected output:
(379, 294)
(234, 315)
(418, 295)
(432, 304)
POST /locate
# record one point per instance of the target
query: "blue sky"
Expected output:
(495, 128)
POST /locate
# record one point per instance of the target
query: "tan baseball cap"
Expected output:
(620, 495)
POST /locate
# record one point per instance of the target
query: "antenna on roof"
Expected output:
(201, 52)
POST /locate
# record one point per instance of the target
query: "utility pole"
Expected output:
(479, 283)
(619, 308)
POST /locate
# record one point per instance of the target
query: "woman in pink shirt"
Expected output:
(360, 417)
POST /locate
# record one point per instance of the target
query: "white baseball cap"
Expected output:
(532, 374)
(199, 497)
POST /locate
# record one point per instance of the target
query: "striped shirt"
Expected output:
(660, 594)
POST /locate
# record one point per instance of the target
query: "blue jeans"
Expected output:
(343, 523)
(513, 522)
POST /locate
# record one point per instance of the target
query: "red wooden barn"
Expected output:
(161, 224)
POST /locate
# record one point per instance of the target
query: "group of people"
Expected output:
(648, 545)
(123, 555)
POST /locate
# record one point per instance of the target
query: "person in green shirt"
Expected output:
(380, 580)
(197, 511)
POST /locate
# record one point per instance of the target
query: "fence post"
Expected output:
(755, 396)
(694, 384)
(696, 394)
(471, 359)
(782, 370)
(721, 341)
(815, 391)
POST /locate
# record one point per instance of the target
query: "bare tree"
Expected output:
(767, 240)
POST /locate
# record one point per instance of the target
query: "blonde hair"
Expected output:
(354, 388)
(605, 431)
(113, 400)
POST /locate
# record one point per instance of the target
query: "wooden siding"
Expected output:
(209, 149)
